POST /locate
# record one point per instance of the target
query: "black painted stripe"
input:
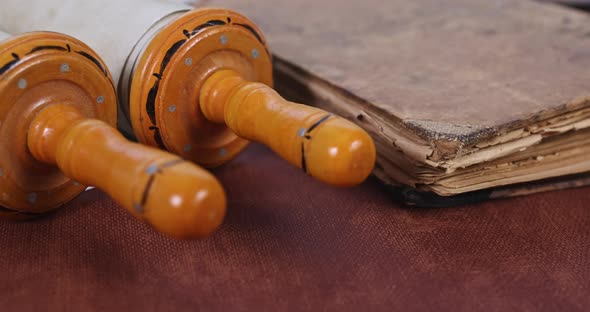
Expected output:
(208, 24)
(252, 30)
(146, 191)
(93, 60)
(303, 160)
(158, 137)
(150, 105)
(41, 48)
(10, 64)
(170, 53)
(319, 122)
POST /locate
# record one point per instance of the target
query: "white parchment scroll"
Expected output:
(111, 27)
(4, 36)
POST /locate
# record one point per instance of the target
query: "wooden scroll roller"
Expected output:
(202, 87)
(198, 83)
(57, 112)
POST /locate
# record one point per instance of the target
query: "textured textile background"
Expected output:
(290, 243)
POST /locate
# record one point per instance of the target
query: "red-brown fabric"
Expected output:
(291, 243)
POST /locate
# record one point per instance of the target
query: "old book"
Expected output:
(460, 95)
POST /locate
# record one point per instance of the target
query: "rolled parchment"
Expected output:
(111, 27)
(3, 36)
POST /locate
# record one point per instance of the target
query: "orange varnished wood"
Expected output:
(57, 134)
(166, 86)
(203, 94)
(327, 147)
(176, 197)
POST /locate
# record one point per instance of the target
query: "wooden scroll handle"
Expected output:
(325, 146)
(176, 197)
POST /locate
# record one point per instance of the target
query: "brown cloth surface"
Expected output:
(290, 243)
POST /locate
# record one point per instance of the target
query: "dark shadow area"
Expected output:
(583, 5)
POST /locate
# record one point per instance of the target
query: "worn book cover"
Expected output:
(463, 98)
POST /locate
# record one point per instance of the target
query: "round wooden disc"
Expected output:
(37, 70)
(164, 98)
